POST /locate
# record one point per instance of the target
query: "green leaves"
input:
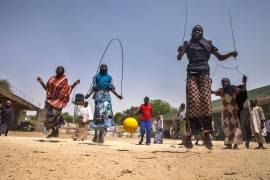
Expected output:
(5, 84)
(68, 118)
(160, 107)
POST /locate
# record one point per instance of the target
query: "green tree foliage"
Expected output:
(131, 111)
(160, 107)
(67, 117)
(121, 116)
(5, 84)
(118, 118)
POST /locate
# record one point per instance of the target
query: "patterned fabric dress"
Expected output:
(198, 85)
(198, 89)
(58, 92)
(103, 116)
(231, 123)
(158, 128)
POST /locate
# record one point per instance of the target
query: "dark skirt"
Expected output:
(3, 128)
(53, 118)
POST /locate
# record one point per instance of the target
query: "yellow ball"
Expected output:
(130, 125)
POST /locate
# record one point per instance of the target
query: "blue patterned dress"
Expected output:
(103, 116)
(158, 128)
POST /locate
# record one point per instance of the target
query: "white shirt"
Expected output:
(85, 112)
(256, 117)
(182, 113)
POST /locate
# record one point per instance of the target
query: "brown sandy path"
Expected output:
(120, 158)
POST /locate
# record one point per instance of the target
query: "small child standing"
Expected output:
(158, 128)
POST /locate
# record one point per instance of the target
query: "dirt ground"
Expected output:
(31, 156)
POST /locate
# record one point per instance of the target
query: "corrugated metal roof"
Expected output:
(217, 105)
(252, 94)
(17, 101)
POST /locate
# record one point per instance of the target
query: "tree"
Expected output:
(5, 84)
(118, 118)
(161, 107)
(68, 118)
(131, 111)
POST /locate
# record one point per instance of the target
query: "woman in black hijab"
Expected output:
(230, 112)
(198, 85)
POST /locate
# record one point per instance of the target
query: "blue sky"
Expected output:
(38, 35)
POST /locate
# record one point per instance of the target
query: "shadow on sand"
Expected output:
(94, 144)
(48, 140)
(150, 157)
(172, 152)
(123, 150)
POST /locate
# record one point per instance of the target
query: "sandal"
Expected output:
(187, 142)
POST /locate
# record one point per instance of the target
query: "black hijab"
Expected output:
(227, 88)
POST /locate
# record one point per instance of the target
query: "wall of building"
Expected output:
(19, 115)
(166, 127)
(40, 120)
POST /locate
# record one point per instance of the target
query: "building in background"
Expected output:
(20, 107)
(262, 94)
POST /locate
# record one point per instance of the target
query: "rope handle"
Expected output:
(186, 18)
(232, 30)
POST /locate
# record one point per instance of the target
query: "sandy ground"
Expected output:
(31, 156)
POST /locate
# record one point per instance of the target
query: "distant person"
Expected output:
(198, 84)
(181, 117)
(172, 132)
(7, 115)
(231, 123)
(146, 114)
(176, 130)
(257, 122)
(45, 131)
(247, 129)
(58, 91)
(214, 129)
(158, 129)
(84, 113)
(103, 115)
(267, 126)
